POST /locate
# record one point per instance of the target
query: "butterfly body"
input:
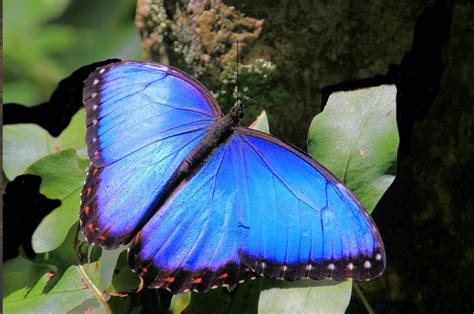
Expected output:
(204, 202)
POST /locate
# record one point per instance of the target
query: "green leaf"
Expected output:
(74, 136)
(305, 296)
(69, 279)
(261, 123)
(180, 302)
(109, 262)
(125, 280)
(356, 138)
(19, 276)
(24, 144)
(61, 174)
(62, 178)
(53, 229)
(63, 256)
(74, 289)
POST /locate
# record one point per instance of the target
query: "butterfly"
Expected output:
(204, 202)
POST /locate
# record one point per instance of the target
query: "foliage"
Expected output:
(67, 276)
(45, 40)
(365, 143)
(25, 144)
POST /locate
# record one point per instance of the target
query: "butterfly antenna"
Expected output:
(237, 111)
(239, 102)
(237, 69)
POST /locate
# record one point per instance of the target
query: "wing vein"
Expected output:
(274, 173)
(180, 108)
(154, 142)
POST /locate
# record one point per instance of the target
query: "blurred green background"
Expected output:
(45, 40)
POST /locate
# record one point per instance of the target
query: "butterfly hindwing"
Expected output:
(259, 204)
(142, 121)
(192, 242)
(303, 222)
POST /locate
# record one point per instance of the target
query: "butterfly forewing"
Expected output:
(142, 122)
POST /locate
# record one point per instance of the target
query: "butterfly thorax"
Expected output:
(218, 133)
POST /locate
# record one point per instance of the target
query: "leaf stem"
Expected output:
(96, 290)
(369, 309)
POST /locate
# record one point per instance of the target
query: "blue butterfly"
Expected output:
(205, 202)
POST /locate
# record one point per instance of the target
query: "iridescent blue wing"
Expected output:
(192, 242)
(302, 221)
(262, 205)
(143, 119)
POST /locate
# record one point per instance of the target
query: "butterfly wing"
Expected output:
(302, 221)
(192, 242)
(143, 119)
(257, 204)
